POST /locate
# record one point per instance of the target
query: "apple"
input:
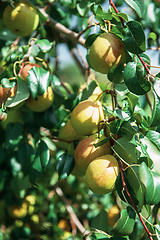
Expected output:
(101, 174)
(86, 152)
(86, 116)
(13, 116)
(106, 52)
(26, 68)
(67, 133)
(22, 19)
(43, 103)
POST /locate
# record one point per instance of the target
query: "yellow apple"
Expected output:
(43, 103)
(22, 19)
(67, 133)
(26, 68)
(101, 174)
(106, 52)
(86, 152)
(86, 116)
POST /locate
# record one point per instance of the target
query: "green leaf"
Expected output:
(100, 221)
(82, 8)
(44, 45)
(21, 95)
(116, 74)
(156, 111)
(154, 137)
(38, 81)
(90, 39)
(40, 161)
(151, 181)
(133, 177)
(126, 150)
(134, 79)
(135, 40)
(87, 92)
(14, 135)
(65, 164)
(124, 226)
(100, 14)
(153, 152)
(6, 83)
(137, 5)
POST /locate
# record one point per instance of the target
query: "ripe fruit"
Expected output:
(86, 152)
(86, 116)
(16, 211)
(43, 103)
(106, 52)
(26, 68)
(67, 133)
(21, 20)
(101, 174)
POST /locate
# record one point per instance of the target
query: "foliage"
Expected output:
(32, 163)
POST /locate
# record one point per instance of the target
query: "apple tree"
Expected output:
(80, 142)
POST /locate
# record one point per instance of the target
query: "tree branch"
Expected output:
(62, 29)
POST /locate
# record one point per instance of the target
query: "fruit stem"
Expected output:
(133, 204)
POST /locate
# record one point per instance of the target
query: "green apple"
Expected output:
(106, 52)
(22, 19)
(86, 116)
(86, 152)
(101, 174)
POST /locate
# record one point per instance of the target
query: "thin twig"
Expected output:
(70, 210)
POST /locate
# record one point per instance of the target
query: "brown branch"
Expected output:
(70, 210)
(62, 29)
(131, 200)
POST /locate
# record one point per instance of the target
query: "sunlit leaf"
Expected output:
(137, 5)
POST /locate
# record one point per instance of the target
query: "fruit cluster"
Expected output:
(40, 104)
(96, 163)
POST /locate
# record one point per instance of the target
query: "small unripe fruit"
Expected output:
(106, 52)
(86, 152)
(86, 116)
(43, 103)
(22, 19)
(101, 174)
